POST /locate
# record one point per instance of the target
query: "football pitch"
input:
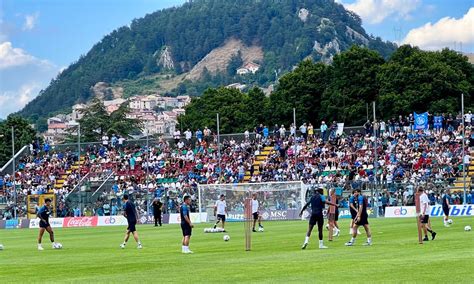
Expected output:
(92, 255)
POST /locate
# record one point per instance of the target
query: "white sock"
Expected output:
(183, 248)
(306, 240)
(353, 240)
(321, 243)
(369, 240)
(351, 231)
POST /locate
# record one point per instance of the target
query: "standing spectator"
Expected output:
(120, 142)
(368, 127)
(176, 136)
(303, 130)
(207, 135)
(323, 129)
(293, 130)
(382, 127)
(188, 135)
(282, 131)
(265, 132)
(467, 118)
(105, 141)
(310, 132)
(199, 135)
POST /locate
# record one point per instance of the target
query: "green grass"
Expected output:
(92, 255)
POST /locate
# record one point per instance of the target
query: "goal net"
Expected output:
(277, 200)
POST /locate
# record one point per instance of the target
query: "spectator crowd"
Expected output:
(389, 153)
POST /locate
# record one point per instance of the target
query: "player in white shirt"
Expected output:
(255, 214)
(221, 209)
(425, 215)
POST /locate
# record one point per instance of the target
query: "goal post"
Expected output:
(277, 201)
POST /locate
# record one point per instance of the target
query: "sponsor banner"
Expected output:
(195, 218)
(11, 224)
(267, 215)
(436, 211)
(54, 222)
(149, 219)
(80, 222)
(400, 212)
(112, 221)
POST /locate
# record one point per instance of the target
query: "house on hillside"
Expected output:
(56, 126)
(248, 68)
(143, 102)
(238, 86)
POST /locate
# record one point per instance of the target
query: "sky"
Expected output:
(39, 38)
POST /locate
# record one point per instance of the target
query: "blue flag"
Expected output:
(421, 121)
(438, 122)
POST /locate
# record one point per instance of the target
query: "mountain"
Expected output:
(202, 43)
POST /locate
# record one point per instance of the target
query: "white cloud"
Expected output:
(443, 33)
(30, 21)
(12, 101)
(11, 57)
(376, 11)
(22, 76)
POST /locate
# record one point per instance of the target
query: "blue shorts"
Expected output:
(187, 230)
(44, 224)
(131, 227)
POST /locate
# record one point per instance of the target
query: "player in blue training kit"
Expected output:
(353, 208)
(43, 214)
(361, 219)
(317, 204)
(446, 206)
(131, 214)
(186, 225)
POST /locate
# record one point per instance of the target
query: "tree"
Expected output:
(301, 89)
(96, 122)
(416, 80)
(353, 84)
(23, 132)
(229, 103)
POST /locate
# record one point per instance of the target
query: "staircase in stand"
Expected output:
(62, 179)
(260, 158)
(459, 182)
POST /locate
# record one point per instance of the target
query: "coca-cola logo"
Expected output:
(80, 222)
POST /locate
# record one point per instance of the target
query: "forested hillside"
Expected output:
(174, 40)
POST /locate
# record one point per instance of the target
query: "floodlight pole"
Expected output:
(375, 162)
(463, 146)
(79, 148)
(218, 146)
(14, 170)
(294, 138)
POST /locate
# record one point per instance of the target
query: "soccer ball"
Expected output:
(58, 246)
(1, 247)
(467, 228)
(450, 221)
(260, 229)
(226, 238)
